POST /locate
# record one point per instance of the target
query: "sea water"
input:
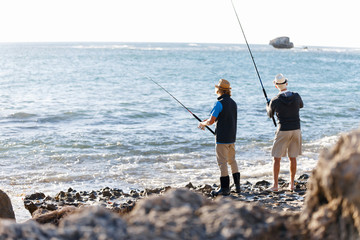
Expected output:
(87, 115)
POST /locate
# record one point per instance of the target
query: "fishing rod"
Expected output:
(252, 58)
(181, 104)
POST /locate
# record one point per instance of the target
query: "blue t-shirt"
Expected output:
(216, 109)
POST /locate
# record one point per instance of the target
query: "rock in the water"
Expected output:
(281, 42)
(332, 204)
(6, 209)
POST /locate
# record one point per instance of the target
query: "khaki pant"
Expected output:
(225, 154)
(287, 142)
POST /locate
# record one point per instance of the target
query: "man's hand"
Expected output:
(203, 124)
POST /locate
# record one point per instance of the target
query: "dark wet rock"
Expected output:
(51, 207)
(43, 216)
(304, 177)
(190, 185)
(204, 189)
(281, 42)
(262, 183)
(117, 192)
(30, 206)
(92, 196)
(107, 193)
(35, 196)
(6, 209)
(78, 196)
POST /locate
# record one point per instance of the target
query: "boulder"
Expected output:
(89, 223)
(172, 216)
(281, 42)
(92, 223)
(27, 230)
(332, 204)
(6, 209)
(238, 220)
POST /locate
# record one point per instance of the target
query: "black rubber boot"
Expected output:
(236, 177)
(224, 187)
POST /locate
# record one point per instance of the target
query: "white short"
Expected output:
(287, 142)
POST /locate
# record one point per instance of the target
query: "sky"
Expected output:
(306, 22)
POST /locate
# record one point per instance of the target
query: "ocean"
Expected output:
(88, 116)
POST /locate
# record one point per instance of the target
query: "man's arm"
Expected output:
(213, 115)
(301, 104)
(207, 122)
(270, 110)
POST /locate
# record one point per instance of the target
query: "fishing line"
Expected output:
(252, 58)
(180, 103)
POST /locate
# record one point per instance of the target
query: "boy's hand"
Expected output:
(201, 126)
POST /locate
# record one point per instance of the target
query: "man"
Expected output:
(224, 114)
(288, 140)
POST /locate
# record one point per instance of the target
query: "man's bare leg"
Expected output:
(292, 173)
(276, 170)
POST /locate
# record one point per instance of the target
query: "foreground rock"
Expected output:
(333, 203)
(87, 223)
(281, 42)
(6, 209)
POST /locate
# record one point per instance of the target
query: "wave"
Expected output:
(326, 49)
(66, 116)
(167, 46)
(119, 46)
(21, 115)
(316, 146)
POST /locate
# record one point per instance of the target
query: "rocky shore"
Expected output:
(47, 209)
(325, 205)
